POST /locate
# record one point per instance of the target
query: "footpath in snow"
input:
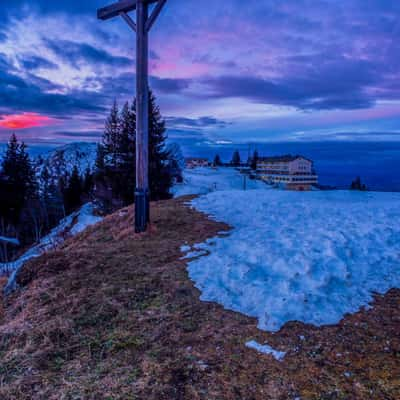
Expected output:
(206, 180)
(305, 256)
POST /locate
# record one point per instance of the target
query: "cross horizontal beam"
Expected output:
(113, 10)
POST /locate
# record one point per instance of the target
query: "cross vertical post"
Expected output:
(142, 28)
(142, 203)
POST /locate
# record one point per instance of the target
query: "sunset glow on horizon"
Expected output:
(25, 121)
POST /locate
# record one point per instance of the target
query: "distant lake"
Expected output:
(337, 163)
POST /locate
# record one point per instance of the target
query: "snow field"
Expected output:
(310, 256)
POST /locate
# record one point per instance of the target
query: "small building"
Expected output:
(291, 172)
(196, 162)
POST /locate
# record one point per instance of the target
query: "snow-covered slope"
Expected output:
(8, 240)
(311, 256)
(69, 226)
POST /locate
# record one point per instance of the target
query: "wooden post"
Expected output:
(142, 203)
(142, 28)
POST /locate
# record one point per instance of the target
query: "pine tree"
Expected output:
(28, 173)
(357, 185)
(19, 176)
(73, 191)
(160, 180)
(217, 161)
(100, 162)
(111, 135)
(45, 181)
(176, 162)
(236, 159)
(51, 198)
(11, 158)
(127, 137)
(87, 181)
(254, 160)
(45, 191)
(115, 172)
(125, 179)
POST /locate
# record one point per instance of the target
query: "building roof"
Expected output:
(284, 158)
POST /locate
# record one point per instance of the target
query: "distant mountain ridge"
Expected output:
(61, 160)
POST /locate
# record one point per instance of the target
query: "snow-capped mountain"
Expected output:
(62, 159)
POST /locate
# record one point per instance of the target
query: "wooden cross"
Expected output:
(142, 27)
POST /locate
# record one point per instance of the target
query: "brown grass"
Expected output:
(113, 315)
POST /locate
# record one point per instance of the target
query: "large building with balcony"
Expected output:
(195, 162)
(290, 172)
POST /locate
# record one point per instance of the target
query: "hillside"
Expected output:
(112, 315)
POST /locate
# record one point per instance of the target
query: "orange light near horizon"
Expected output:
(25, 120)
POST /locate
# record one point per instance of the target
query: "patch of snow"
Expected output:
(194, 254)
(185, 248)
(13, 241)
(85, 218)
(69, 226)
(202, 365)
(266, 349)
(205, 180)
(305, 256)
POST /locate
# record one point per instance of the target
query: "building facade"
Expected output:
(196, 162)
(290, 172)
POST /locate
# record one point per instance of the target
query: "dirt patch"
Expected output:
(113, 315)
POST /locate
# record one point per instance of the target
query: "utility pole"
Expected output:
(142, 27)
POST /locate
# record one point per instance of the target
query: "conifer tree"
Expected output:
(111, 135)
(176, 162)
(357, 185)
(100, 162)
(87, 184)
(235, 159)
(73, 191)
(160, 180)
(254, 160)
(124, 184)
(19, 175)
(217, 161)
(127, 137)
(115, 172)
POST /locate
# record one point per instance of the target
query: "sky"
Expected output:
(222, 71)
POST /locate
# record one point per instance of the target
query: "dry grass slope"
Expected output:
(111, 315)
